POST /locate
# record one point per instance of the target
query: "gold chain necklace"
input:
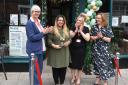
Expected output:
(62, 38)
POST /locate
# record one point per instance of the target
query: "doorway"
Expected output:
(63, 7)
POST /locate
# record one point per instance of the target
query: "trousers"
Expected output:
(59, 75)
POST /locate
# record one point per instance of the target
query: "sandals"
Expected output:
(98, 81)
(96, 84)
(73, 81)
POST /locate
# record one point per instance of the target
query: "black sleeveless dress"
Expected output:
(77, 50)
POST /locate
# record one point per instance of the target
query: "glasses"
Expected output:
(37, 11)
(60, 20)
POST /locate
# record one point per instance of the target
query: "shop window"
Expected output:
(24, 14)
(120, 9)
(13, 14)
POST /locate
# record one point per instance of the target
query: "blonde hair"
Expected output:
(83, 18)
(83, 15)
(35, 7)
(65, 29)
(104, 19)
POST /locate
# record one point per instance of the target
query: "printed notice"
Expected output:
(124, 19)
(23, 19)
(17, 41)
(13, 19)
(115, 21)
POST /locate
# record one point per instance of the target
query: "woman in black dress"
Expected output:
(101, 36)
(80, 35)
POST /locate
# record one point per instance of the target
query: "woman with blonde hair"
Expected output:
(101, 36)
(80, 36)
(58, 50)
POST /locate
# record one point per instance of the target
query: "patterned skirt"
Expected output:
(103, 64)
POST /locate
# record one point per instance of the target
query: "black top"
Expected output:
(77, 50)
(78, 36)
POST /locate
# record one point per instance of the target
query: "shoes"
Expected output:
(73, 81)
(59, 84)
(97, 81)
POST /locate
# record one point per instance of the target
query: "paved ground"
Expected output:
(22, 78)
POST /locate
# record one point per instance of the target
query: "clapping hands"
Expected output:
(78, 27)
(99, 35)
(47, 29)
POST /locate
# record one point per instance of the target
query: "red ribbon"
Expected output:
(38, 72)
(117, 65)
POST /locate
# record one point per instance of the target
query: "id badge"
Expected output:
(78, 40)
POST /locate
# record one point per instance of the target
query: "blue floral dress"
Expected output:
(101, 56)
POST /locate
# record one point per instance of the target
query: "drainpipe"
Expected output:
(31, 3)
(110, 16)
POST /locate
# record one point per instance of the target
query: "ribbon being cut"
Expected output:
(35, 62)
(38, 72)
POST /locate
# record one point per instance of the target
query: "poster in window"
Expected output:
(13, 19)
(23, 19)
(124, 19)
(17, 41)
(115, 21)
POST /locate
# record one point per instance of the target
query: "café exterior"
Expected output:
(15, 13)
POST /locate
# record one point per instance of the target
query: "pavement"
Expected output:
(22, 78)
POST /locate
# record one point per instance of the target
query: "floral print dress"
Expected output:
(101, 57)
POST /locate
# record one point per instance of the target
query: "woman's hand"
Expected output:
(56, 46)
(47, 29)
(99, 35)
(67, 43)
(50, 29)
(77, 28)
(94, 37)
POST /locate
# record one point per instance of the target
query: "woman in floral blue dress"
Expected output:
(101, 36)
